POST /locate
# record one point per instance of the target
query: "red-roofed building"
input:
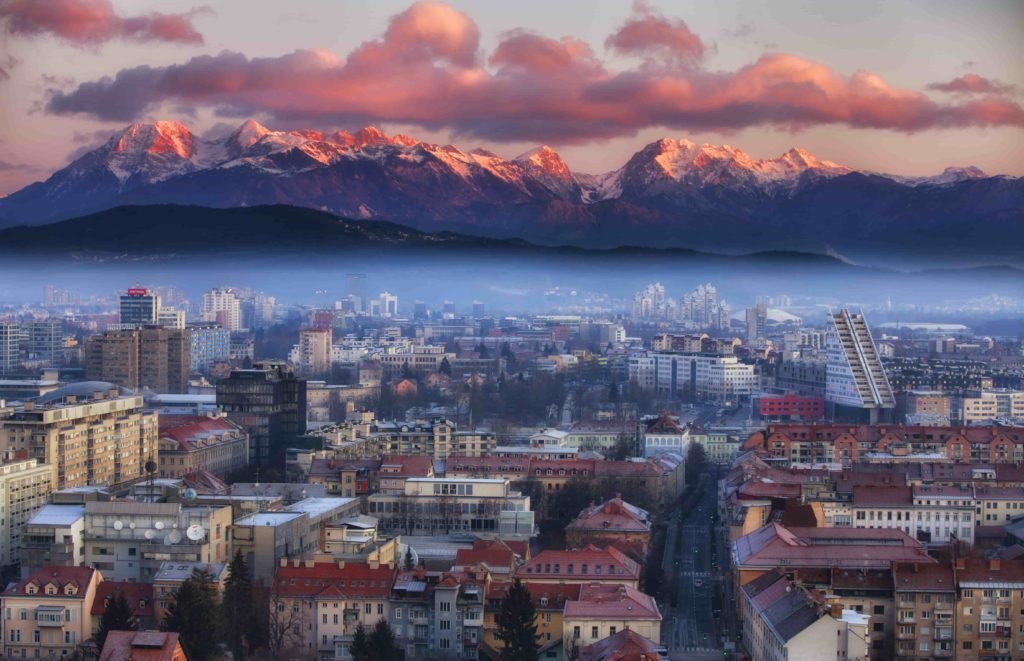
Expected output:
(142, 646)
(549, 600)
(54, 599)
(351, 478)
(495, 556)
(604, 610)
(332, 599)
(591, 564)
(613, 522)
(625, 645)
(791, 407)
(395, 469)
(138, 595)
(195, 443)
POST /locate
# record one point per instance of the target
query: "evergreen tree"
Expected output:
(409, 565)
(445, 367)
(382, 643)
(116, 617)
(360, 646)
(406, 370)
(193, 614)
(517, 625)
(242, 630)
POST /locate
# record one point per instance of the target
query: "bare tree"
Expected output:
(285, 621)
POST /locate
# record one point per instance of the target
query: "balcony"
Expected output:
(943, 633)
(49, 616)
(940, 653)
(909, 635)
(906, 618)
(470, 640)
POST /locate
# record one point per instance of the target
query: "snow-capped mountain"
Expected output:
(671, 192)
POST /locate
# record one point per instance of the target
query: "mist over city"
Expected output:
(462, 331)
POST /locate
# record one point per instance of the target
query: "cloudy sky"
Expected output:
(904, 87)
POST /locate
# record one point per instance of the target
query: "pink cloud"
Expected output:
(648, 32)
(972, 83)
(91, 22)
(427, 69)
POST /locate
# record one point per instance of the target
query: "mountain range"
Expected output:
(671, 193)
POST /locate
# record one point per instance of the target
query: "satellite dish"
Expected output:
(189, 494)
(118, 525)
(150, 534)
(159, 525)
(173, 537)
(195, 532)
(132, 525)
(150, 466)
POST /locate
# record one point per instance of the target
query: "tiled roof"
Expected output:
(864, 579)
(991, 571)
(355, 579)
(777, 546)
(569, 564)
(614, 515)
(58, 575)
(334, 467)
(546, 596)
(493, 558)
(757, 490)
(625, 645)
(193, 432)
(616, 602)
(936, 577)
(882, 496)
(409, 465)
(140, 646)
(138, 595)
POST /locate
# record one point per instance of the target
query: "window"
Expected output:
(368, 608)
(35, 636)
(398, 613)
(444, 643)
(445, 625)
(878, 626)
(593, 632)
(879, 610)
(611, 631)
(335, 618)
(446, 606)
(380, 609)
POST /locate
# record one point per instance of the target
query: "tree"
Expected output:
(696, 458)
(116, 617)
(409, 564)
(382, 643)
(360, 646)
(242, 632)
(406, 370)
(623, 448)
(517, 625)
(284, 626)
(445, 367)
(193, 614)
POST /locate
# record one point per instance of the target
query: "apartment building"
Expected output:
(312, 355)
(590, 564)
(25, 487)
(421, 360)
(323, 602)
(706, 376)
(150, 357)
(53, 536)
(932, 515)
(549, 602)
(603, 610)
(222, 305)
(926, 597)
(990, 609)
(994, 404)
(87, 433)
(48, 614)
(611, 523)
(855, 379)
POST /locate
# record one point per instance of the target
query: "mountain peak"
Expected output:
(157, 138)
(249, 133)
(546, 159)
(371, 136)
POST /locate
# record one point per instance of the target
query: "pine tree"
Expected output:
(409, 565)
(116, 617)
(360, 646)
(517, 625)
(242, 630)
(382, 643)
(445, 367)
(193, 614)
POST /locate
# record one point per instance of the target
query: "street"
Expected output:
(690, 630)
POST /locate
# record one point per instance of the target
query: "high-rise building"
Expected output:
(269, 401)
(388, 304)
(448, 311)
(312, 355)
(208, 344)
(152, 357)
(757, 322)
(419, 310)
(25, 486)
(650, 303)
(45, 340)
(222, 306)
(139, 307)
(478, 310)
(10, 346)
(91, 432)
(171, 318)
(355, 286)
(854, 378)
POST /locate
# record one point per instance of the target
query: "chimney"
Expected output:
(994, 564)
(308, 564)
(296, 563)
(341, 564)
(961, 563)
(837, 611)
(284, 562)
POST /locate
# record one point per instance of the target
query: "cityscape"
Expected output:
(329, 392)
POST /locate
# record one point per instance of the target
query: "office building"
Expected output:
(355, 287)
(139, 307)
(10, 347)
(45, 341)
(222, 306)
(150, 357)
(312, 355)
(269, 402)
(25, 487)
(994, 404)
(208, 344)
(703, 376)
(198, 443)
(478, 310)
(171, 318)
(87, 433)
(388, 303)
(855, 381)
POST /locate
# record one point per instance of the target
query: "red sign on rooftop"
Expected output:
(138, 291)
